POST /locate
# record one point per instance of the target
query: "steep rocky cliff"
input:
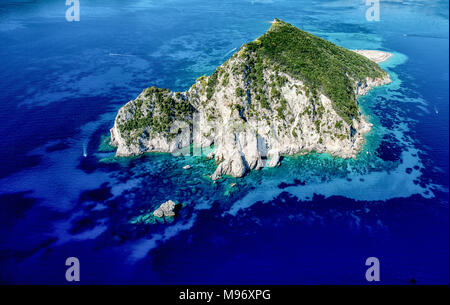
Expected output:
(285, 93)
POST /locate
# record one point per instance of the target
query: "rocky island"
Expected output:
(287, 92)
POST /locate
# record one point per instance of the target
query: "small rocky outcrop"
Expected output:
(163, 214)
(165, 210)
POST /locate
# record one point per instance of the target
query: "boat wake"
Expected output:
(118, 54)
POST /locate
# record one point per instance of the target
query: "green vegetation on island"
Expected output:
(261, 82)
(320, 64)
(162, 109)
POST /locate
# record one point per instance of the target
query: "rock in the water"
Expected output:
(274, 158)
(233, 166)
(165, 210)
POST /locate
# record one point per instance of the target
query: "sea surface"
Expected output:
(313, 220)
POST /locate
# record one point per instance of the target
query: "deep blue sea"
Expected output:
(314, 220)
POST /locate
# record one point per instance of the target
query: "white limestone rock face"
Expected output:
(250, 126)
(165, 210)
(274, 158)
(152, 111)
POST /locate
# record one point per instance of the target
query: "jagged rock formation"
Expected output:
(163, 214)
(285, 93)
(165, 210)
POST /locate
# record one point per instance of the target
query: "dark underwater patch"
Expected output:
(88, 164)
(34, 126)
(18, 163)
(277, 242)
(389, 149)
(100, 194)
(83, 223)
(21, 254)
(14, 206)
(296, 182)
(56, 147)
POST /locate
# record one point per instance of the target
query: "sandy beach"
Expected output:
(374, 55)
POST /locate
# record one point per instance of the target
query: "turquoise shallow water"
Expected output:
(315, 219)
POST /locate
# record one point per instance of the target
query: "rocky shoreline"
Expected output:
(252, 111)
